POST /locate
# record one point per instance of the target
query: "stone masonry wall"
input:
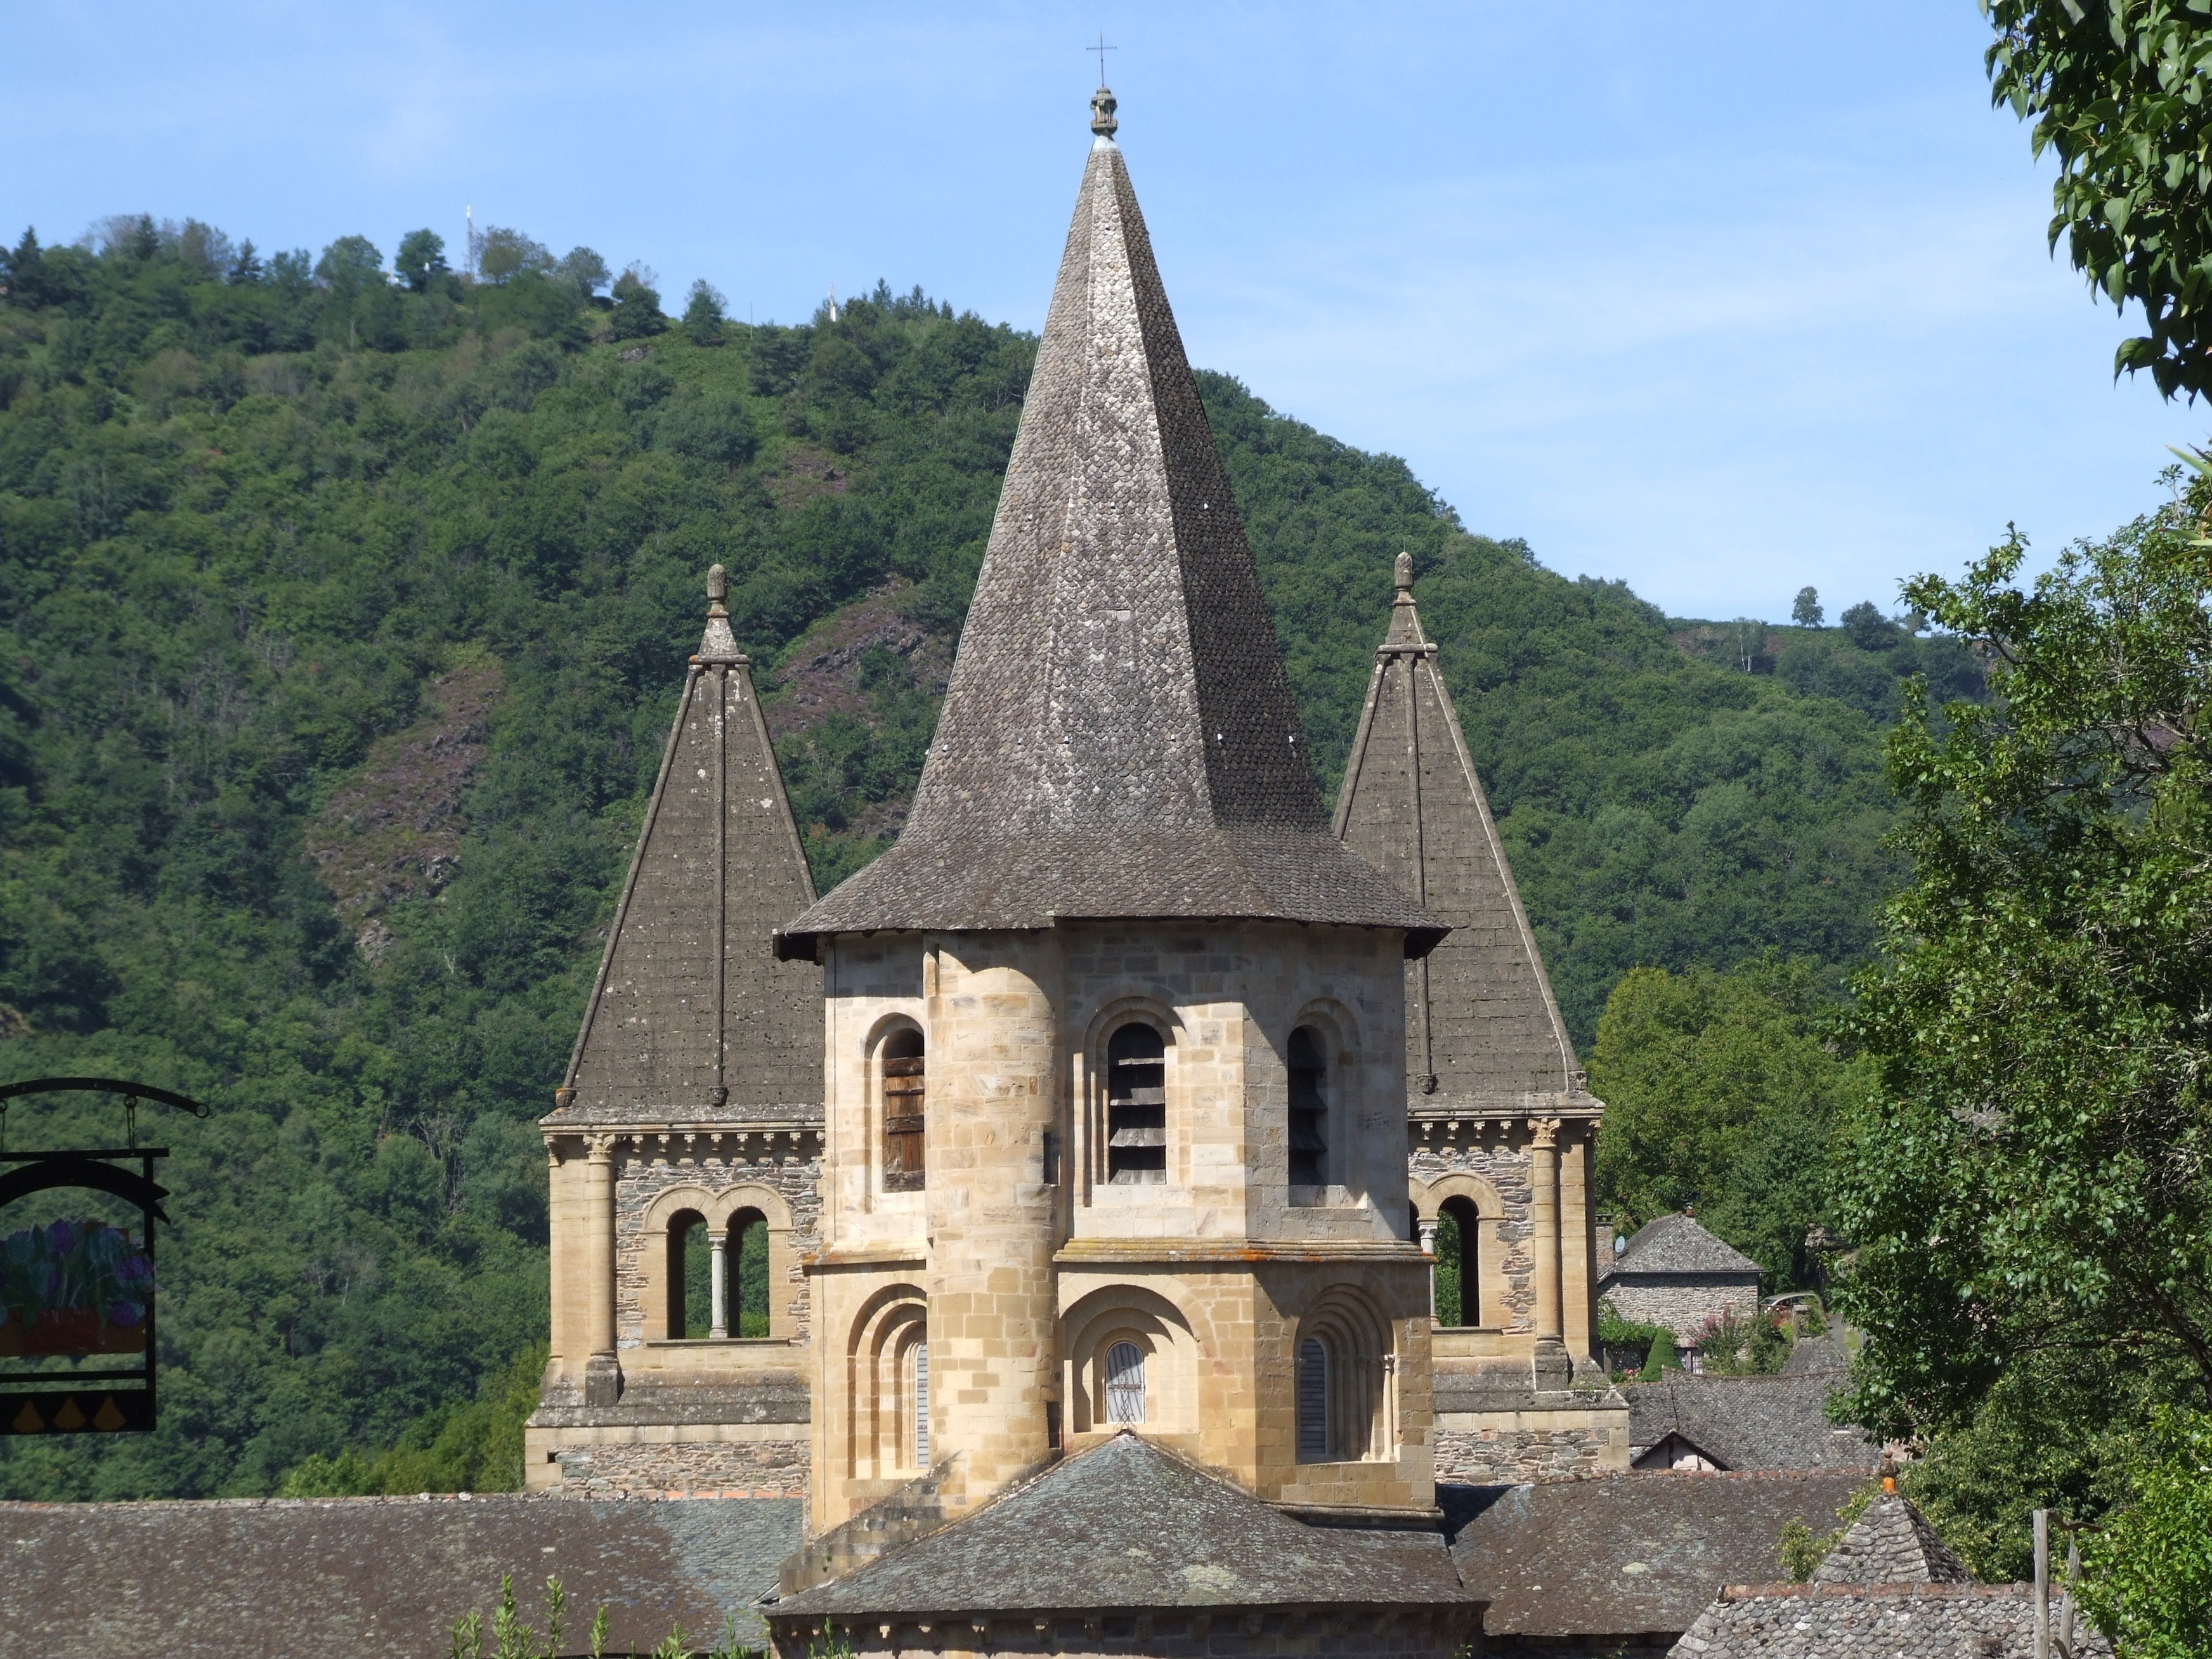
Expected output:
(1492, 1456)
(640, 1180)
(1682, 1303)
(725, 1468)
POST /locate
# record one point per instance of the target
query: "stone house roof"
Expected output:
(1676, 1245)
(693, 1020)
(261, 1578)
(1744, 1423)
(1127, 1526)
(1481, 1025)
(1118, 738)
(1906, 1621)
(1637, 1554)
(1891, 1544)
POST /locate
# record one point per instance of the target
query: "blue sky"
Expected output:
(1717, 299)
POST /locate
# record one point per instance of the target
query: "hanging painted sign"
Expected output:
(76, 1278)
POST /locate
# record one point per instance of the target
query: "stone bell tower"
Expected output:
(1114, 1035)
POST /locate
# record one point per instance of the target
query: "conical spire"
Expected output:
(1480, 1023)
(692, 1017)
(1118, 739)
(1891, 1544)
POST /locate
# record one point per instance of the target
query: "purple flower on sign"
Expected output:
(48, 1280)
(134, 1269)
(61, 1239)
(125, 1315)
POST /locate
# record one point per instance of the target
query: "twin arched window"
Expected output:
(905, 1100)
(701, 1266)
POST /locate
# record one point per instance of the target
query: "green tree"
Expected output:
(583, 270)
(351, 264)
(2032, 1171)
(1719, 1092)
(504, 254)
(1804, 609)
(421, 256)
(637, 304)
(703, 313)
(2148, 1572)
(2116, 91)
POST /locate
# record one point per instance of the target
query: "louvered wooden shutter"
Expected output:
(904, 1095)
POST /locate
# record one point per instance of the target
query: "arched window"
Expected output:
(1309, 1123)
(748, 1256)
(1136, 1107)
(690, 1276)
(918, 1393)
(1313, 1400)
(1459, 1263)
(1125, 1384)
(905, 1095)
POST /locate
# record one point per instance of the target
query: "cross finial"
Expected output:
(1101, 49)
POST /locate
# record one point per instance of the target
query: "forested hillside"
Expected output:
(345, 609)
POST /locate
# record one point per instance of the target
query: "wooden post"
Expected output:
(2043, 1584)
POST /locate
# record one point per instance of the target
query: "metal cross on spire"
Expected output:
(1101, 49)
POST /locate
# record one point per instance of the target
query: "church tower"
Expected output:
(683, 1142)
(1114, 1044)
(1503, 1130)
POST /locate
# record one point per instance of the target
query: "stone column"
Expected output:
(602, 1370)
(1553, 1368)
(1429, 1247)
(715, 1280)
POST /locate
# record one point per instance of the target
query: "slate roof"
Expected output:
(692, 1018)
(1632, 1554)
(1118, 738)
(1127, 1525)
(1676, 1245)
(1744, 1423)
(255, 1579)
(1481, 1025)
(1891, 1544)
(1896, 1621)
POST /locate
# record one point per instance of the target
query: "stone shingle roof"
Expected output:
(257, 1579)
(673, 1034)
(1891, 1544)
(1481, 1025)
(1632, 1554)
(1677, 1244)
(1118, 738)
(1895, 1621)
(1744, 1423)
(1128, 1526)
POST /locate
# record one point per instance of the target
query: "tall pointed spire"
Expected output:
(1480, 1023)
(692, 1015)
(1118, 739)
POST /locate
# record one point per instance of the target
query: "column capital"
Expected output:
(1544, 1131)
(600, 1149)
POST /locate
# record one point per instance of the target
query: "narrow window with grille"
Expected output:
(1125, 1384)
(1313, 1400)
(920, 1405)
(1136, 1108)
(1309, 1123)
(905, 1094)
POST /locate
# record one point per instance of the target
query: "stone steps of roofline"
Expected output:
(901, 1517)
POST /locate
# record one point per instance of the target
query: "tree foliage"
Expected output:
(2028, 1174)
(2148, 1571)
(2115, 90)
(1720, 1093)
